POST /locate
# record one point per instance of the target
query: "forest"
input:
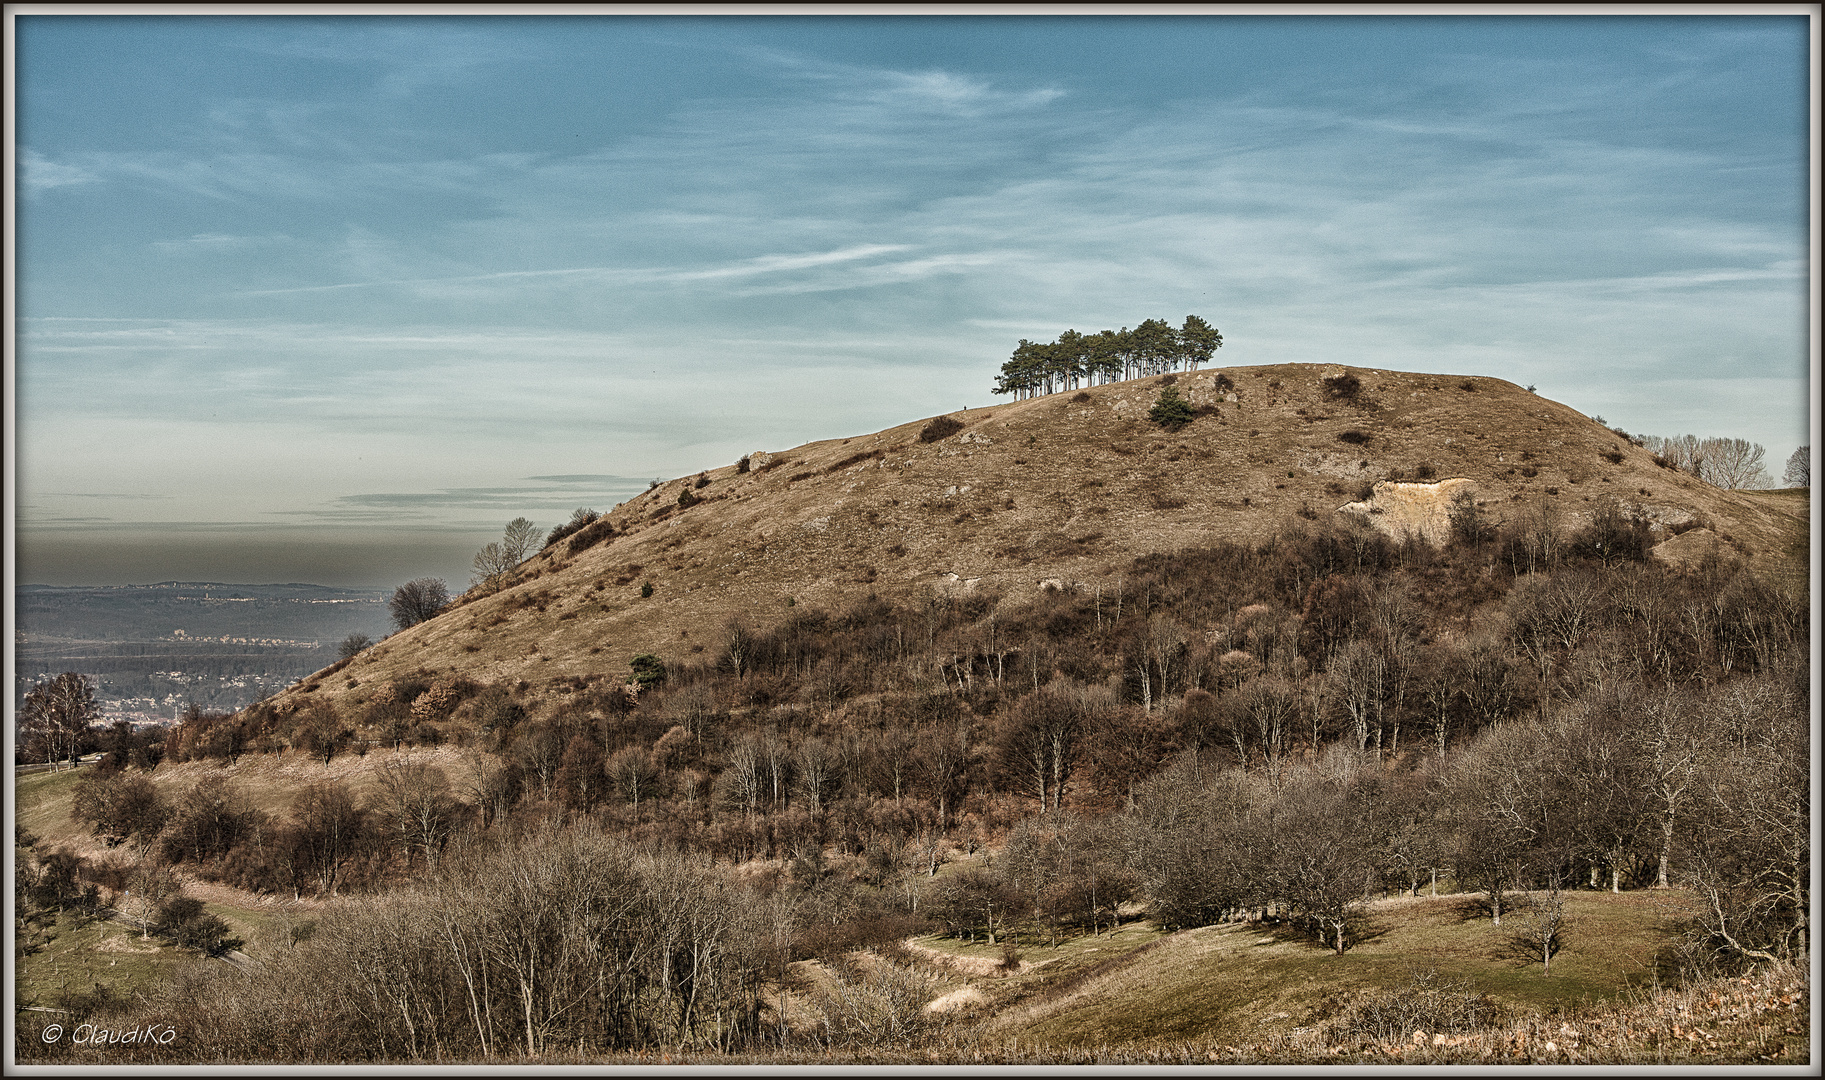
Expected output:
(1275, 732)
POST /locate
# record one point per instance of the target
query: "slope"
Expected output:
(1056, 492)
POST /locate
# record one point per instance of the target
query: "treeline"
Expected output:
(1720, 462)
(1075, 359)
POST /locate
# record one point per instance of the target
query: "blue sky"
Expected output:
(332, 298)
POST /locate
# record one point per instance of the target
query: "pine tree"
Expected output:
(1170, 410)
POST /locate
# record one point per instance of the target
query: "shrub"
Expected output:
(1081, 396)
(855, 459)
(880, 1005)
(742, 465)
(1345, 387)
(1467, 524)
(941, 428)
(1224, 382)
(1170, 410)
(1613, 534)
(578, 521)
(648, 670)
(590, 535)
(183, 919)
(353, 644)
(687, 499)
(1353, 437)
(1427, 1003)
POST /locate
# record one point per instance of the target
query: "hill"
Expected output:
(1062, 491)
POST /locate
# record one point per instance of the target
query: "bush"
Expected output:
(1467, 523)
(353, 644)
(1613, 534)
(1345, 387)
(1170, 410)
(1427, 1003)
(941, 428)
(880, 1005)
(648, 670)
(1353, 437)
(590, 535)
(183, 919)
(579, 520)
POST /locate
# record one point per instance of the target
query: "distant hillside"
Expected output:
(199, 609)
(1063, 491)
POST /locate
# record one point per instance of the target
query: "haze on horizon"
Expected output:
(331, 298)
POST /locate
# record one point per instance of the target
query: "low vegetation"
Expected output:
(1551, 728)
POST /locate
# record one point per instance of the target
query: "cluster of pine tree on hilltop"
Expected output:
(1075, 359)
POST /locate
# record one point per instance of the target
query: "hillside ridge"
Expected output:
(1059, 491)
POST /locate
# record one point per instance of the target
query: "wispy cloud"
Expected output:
(388, 321)
(745, 268)
(38, 173)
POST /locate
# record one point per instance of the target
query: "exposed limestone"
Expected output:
(1399, 508)
(1691, 548)
(956, 582)
(1662, 520)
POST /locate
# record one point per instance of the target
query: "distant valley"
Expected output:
(151, 649)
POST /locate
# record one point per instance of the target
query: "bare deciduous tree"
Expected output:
(1734, 463)
(56, 714)
(418, 600)
(1799, 468)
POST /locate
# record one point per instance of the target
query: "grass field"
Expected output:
(41, 803)
(77, 958)
(79, 955)
(1242, 982)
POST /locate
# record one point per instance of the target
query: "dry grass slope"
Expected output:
(1066, 487)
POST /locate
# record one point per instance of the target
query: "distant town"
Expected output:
(154, 649)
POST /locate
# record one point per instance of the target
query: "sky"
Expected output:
(332, 299)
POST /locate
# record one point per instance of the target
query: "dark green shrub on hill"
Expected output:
(648, 670)
(1170, 410)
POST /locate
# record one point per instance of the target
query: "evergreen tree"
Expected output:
(1170, 410)
(1198, 342)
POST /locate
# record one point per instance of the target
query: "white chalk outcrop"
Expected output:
(1401, 508)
